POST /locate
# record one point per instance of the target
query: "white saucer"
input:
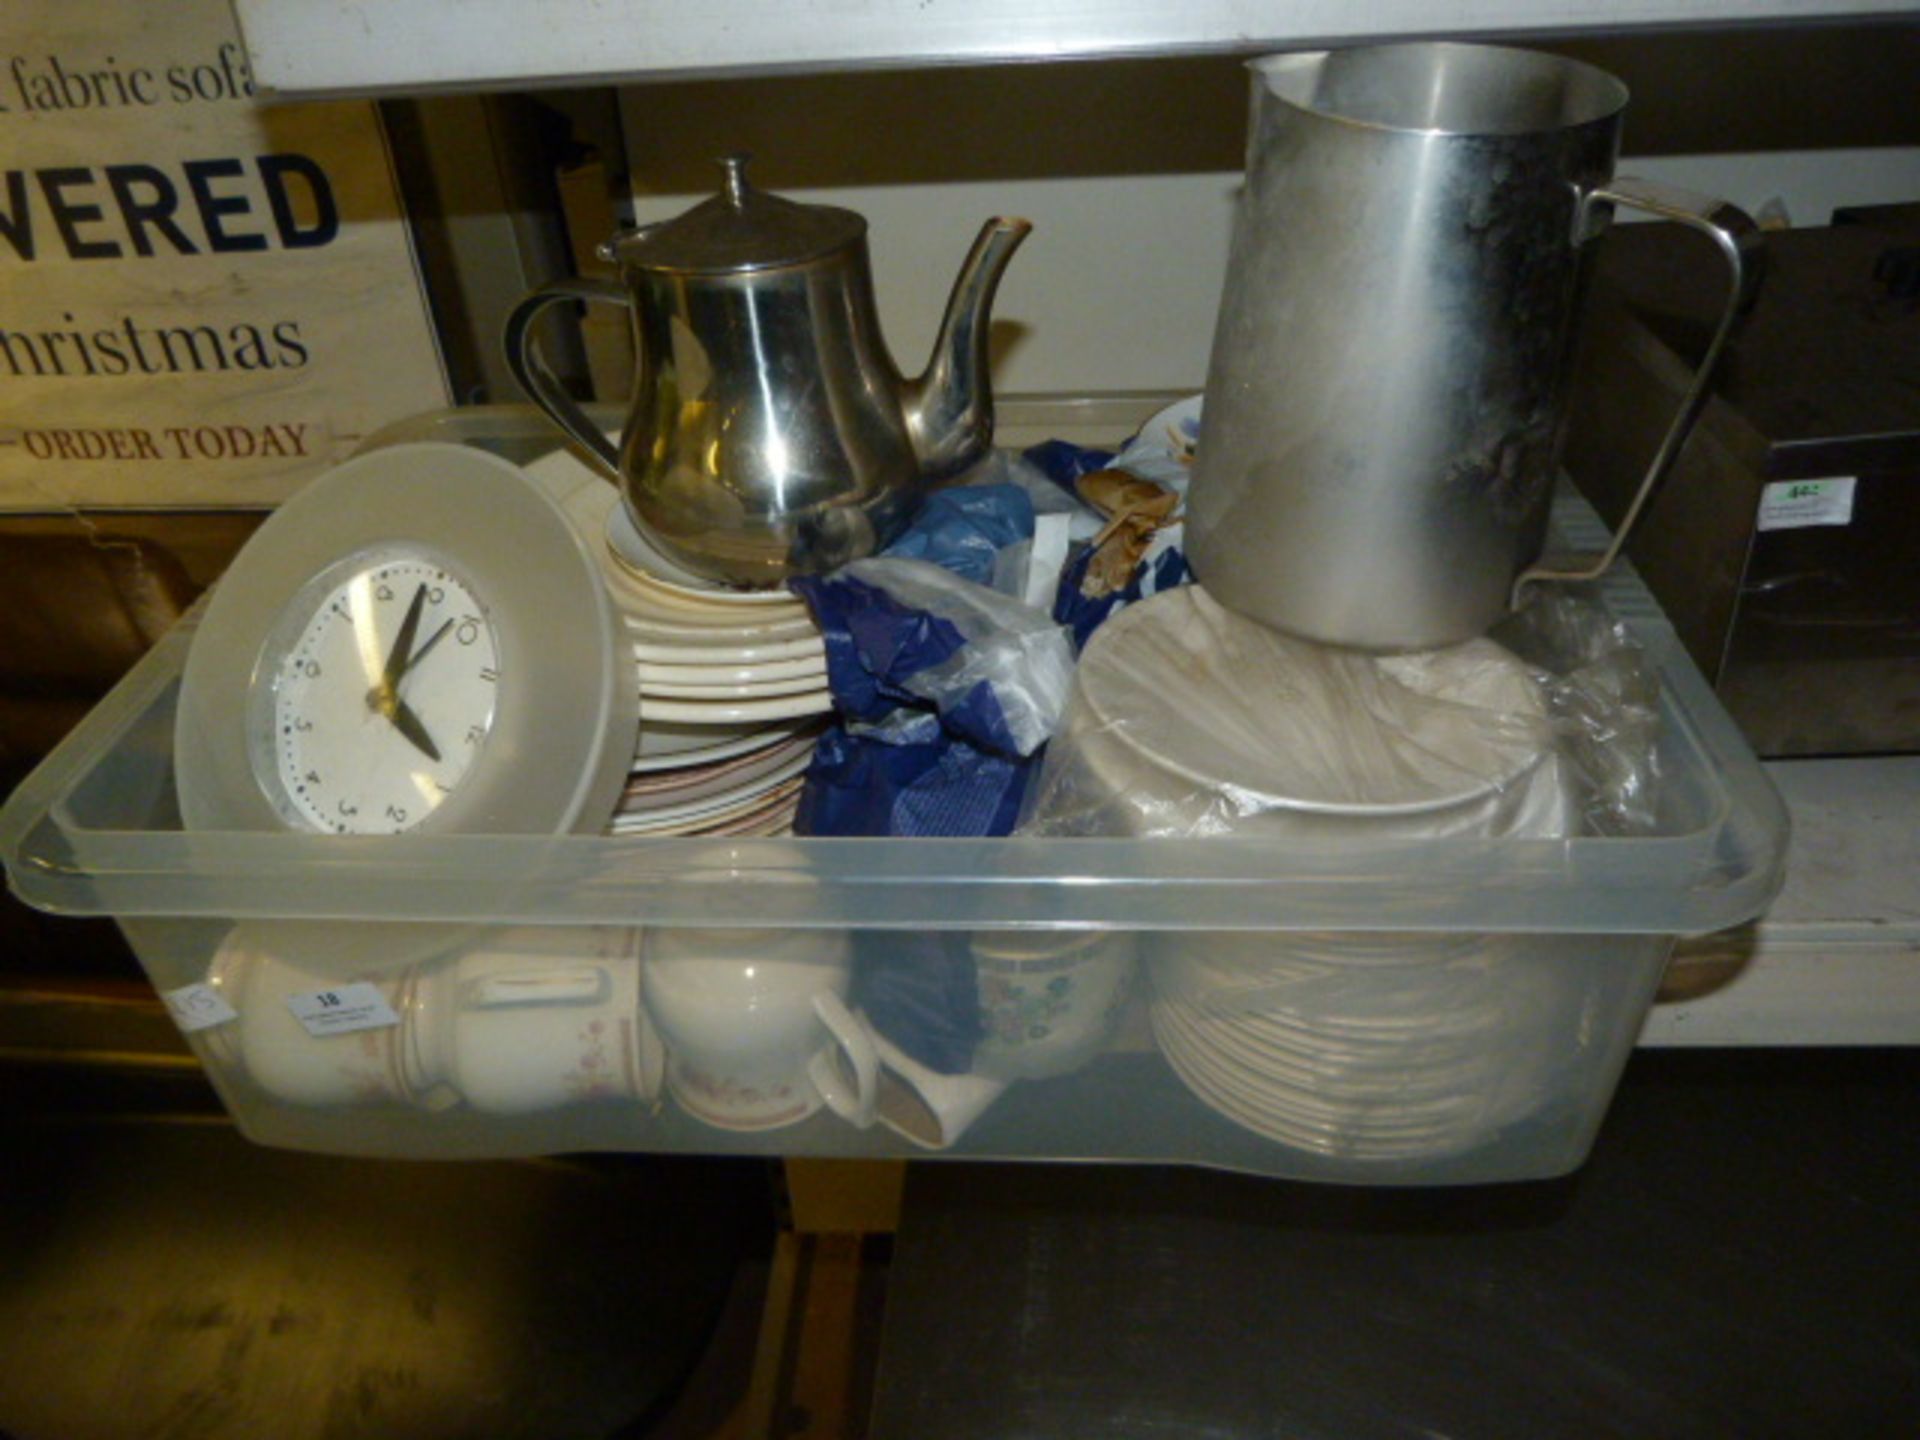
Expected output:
(672, 745)
(681, 649)
(813, 671)
(713, 811)
(661, 595)
(767, 690)
(732, 790)
(649, 564)
(734, 712)
(1359, 1135)
(659, 788)
(650, 624)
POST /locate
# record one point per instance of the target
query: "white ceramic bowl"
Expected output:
(1187, 719)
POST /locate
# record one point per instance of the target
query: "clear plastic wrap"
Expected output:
(1186, 719)
(1603, 695)
(1189, 720)
(1010, 650)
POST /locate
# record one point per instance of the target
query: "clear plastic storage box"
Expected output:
(1435, 1011)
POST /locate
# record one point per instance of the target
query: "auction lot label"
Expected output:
(203, 301)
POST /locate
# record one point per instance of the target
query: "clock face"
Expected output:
(382, 682)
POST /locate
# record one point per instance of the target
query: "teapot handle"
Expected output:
(1739, 240)
(523, 358)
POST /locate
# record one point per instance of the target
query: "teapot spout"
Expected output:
(949, 406)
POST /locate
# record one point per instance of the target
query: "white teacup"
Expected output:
(1050, 1001)
(743, 1012)
(362, 1067)
(921, 1105)
(535, 1018)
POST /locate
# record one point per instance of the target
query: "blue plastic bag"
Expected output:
(948, 690)
(963, 529)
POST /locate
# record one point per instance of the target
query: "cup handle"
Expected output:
(652, 1057)
(857, 1104)
(1740, 243)
(523, 358)
(579, 985)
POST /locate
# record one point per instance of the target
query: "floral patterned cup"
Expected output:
(359, 1068)
(744, 1012)
(1049, 1000)
(535, 1018)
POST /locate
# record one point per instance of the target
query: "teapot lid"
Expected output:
(740, 229)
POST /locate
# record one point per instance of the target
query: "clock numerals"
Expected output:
(369, 719)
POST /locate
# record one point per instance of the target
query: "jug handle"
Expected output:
(1739, 242)
(854, 1096)
(538, 381)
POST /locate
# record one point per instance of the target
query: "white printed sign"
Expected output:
(203, 301)
(197, 1007)
(343, 1009)
(1797, 504)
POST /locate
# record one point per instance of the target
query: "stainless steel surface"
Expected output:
(740, 229)
(770, 433)
(949, 408)
(1738, 239)
(308, 47)
(1385, 395)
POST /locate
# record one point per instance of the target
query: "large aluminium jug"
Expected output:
(1385, 396)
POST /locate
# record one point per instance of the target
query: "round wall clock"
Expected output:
(418, 641)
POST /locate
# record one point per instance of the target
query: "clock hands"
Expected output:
(408, 724)
(404, 720)
(421, 654)
(403, 642)
(402, 657)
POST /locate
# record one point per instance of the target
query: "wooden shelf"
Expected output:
(313, 47)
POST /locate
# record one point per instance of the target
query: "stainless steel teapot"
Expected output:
(769, 433)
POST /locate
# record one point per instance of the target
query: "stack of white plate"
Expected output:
(1380, 1048)
(716, 780)
(707, 655)
(732, 682)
